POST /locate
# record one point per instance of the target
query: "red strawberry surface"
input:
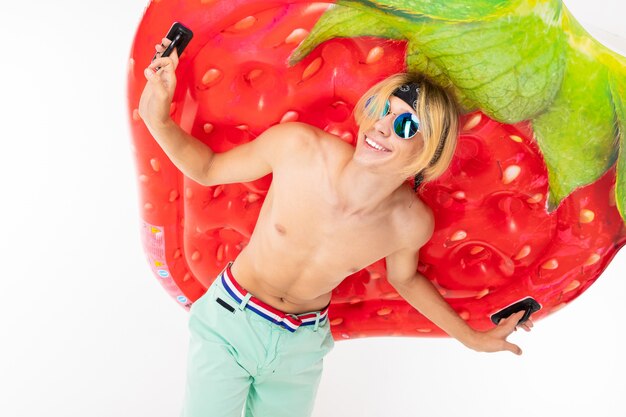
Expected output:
(495, 242)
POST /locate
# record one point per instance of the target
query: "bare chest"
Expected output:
(310, 241)
(323, 241)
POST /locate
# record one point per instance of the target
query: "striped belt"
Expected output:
(290, 321)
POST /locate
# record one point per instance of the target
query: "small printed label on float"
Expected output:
(154, 244)
(153, 240)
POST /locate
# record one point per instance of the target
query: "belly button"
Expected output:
(280, 229)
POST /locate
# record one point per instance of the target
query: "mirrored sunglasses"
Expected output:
(405, 125)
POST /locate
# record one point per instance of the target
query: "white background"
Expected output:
(85, 328)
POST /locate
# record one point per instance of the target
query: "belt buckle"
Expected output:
(294, 316)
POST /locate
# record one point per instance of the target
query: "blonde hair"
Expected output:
(437, 112)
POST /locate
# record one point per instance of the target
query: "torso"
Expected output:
(302, 246)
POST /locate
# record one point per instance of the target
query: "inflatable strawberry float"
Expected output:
(533, 204)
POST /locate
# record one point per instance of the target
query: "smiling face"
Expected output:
(423, 157)
(380, 147)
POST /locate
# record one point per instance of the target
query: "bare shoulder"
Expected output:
(285, 143)
(334, 150)
(292, 133)
(333, 142)
(322, 144)
(414, 220)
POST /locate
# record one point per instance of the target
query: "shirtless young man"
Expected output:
(363, 210)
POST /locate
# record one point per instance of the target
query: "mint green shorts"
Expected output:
(238, 358)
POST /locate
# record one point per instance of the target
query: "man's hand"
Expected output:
(156, 98)
(494, 340)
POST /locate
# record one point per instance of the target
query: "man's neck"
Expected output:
(362, 191)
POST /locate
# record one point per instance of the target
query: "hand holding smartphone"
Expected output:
(528, 305)
(179, 36)
(156, 98)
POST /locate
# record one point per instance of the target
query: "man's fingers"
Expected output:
(517, 316)
(161, 62)
(164, 44)
(174, 57)
(171, 60)
(160, 48)
(514, 348)
(152, 76)
(513, 318)
(156, 84)
(167, 64)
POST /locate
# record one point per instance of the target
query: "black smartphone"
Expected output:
(180, 36)
(528, 304)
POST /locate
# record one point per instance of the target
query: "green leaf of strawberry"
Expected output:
(343, 22)
(512, 60)
(576, 134)
(618, 93)
(492, 63)
(451, 11)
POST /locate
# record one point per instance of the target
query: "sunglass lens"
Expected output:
(385, 109)
(406, 126)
